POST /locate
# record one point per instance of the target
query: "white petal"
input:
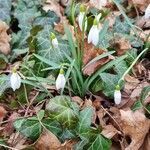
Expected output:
(15, 81)
(147, 12)
(117, 97)
(81, 19)
(95, 37)
(90, 36)
(55, 43)
(60, 82)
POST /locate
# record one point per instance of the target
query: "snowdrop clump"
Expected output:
(82, 19)
(61, 80)
(93, 36)
(54, 40)
(117, 95)
(15, 80)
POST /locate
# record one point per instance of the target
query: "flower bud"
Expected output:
(15, 80)
(82, 18)
(117, 95)
(54, 40)
(60, 81)
(93, 36)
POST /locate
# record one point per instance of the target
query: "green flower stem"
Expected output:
(134, 62)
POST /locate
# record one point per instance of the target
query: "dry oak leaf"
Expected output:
(121, 44)
(54, 6)
(141, 4)
(48, 141)
(109, 131)
(2, 113)
(136, 126)
(4, 38)
(91, 52)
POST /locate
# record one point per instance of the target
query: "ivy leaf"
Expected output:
(5, 8)
(26, 12)
(46, 18)
(44, 49)
(144, 94)
(62, 109)
(30, 127)
(120, 68)
(85, 120)
(100, 142)
(109, 83)
(121, 26)
(53, 126)
(4, 83)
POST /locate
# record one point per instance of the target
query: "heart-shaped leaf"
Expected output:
(62, 109)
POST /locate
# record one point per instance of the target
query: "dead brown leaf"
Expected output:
(2, 113)
(91, 52)
(4, 38)
(136, 126)
(109, 131)
(9, 128)
(54, 6)
(68, 145)
(146, 144)
(140, 4)
(48, 141)
(121, 44)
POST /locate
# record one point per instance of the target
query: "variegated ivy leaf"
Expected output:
(62, 109)
(5, 8)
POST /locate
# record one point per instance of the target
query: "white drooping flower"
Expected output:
(147, 12)
(61, 80)
(93, 36)
(117, 95)
(54, 40)
(82, 19)
(15, 80)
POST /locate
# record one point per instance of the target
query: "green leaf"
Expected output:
(53, 126)
(30, 127)
(44, 49)
(46, 18)
(5, 8)
(100, 143)
(140, 103)
(4, 83)
(40, 114)
(137, 105)
(85, 120)
(121, 26)
(110, 81)
(62, 109)
(120, 68)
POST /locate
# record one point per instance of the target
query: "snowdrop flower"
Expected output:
(93, 36)
(60, 81)
(82, 18)
(147, 12)
(54, 40)
(15, 80)
(117, 95)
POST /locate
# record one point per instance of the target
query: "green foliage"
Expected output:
(85, 120)
(140, 103)
(5, 8)
(29, 127)
(62, 109)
